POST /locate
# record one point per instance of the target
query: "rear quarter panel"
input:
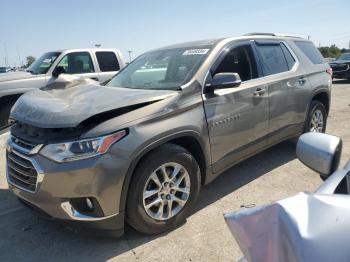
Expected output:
(317, 81)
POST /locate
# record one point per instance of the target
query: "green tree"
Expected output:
(330, 51)
(324, 51)
(30, 59)
(334, 51)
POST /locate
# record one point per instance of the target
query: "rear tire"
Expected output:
(317, 118)
(5, 112)
(170, 177)
(323, 178)
(314, 106)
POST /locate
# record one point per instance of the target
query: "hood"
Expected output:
(68, 107)
(9, 76)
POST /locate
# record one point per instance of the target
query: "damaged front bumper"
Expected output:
(85, 193)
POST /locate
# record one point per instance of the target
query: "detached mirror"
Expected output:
(223, 80)
(57, 71)
(320, 152)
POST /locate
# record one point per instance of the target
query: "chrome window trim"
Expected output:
(293, 69)
(234, 44)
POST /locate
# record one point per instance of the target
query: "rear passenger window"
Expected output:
(108, 61)
(273, 58)
(310, 51)
(290, 59)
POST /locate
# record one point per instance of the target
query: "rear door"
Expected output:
(108, 64)
(237, 117)
(285, 81)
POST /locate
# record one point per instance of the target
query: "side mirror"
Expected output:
(223, 80)
(57, 71)
(320, 152)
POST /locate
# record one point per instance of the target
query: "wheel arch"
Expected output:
(323, 97)
(13, 96)
(190, 140)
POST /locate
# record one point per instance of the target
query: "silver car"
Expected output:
(139, 148)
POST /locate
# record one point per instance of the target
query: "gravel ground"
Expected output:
(264, 178)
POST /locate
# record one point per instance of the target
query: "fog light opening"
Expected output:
(89, 204)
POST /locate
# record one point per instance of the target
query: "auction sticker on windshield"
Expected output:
(196, 52)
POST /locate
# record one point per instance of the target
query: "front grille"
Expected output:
(21, 171)
(340, 67)
(23, 143)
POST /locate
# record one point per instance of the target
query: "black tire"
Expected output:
(5, 112)
(324, 178)
(136, 214)
(314, 106)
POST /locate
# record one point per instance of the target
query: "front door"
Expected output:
(237, 117)
(79, 64)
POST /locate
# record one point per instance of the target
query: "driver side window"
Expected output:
(77, 63)
(239, 60)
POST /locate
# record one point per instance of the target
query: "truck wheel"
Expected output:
(164, 190)
(317, 118)
(5, 112)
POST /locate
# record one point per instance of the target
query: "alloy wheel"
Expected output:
(166, 191)
(317, 123)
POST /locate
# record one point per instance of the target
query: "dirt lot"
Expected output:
(267, 177)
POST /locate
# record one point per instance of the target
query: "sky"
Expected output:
(34, 27)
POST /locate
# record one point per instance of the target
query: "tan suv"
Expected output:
(140, 148)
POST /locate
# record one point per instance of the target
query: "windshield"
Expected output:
(43, 63)
(161, 69)
(344, 57)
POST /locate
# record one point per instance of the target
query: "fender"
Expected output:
(315, 93)
(147, 149)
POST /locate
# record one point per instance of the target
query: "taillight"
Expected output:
(329, 71)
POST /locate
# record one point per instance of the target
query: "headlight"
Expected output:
(70, 151)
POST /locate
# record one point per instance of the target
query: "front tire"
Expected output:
(164, 190)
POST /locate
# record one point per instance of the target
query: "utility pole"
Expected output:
(130, 51)
(5, 58)
(308, 37)
(19, 56)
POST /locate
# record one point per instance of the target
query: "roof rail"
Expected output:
(256, 33)
(272, 34)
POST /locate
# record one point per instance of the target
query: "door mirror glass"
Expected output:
(224, 80)
(320, 152)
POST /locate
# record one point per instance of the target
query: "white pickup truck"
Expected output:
(98, 64)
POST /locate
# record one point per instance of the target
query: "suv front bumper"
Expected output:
(59, 185)
(341, 71)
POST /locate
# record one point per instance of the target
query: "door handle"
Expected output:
(259, 91)
(302, 81)
(94, 78)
